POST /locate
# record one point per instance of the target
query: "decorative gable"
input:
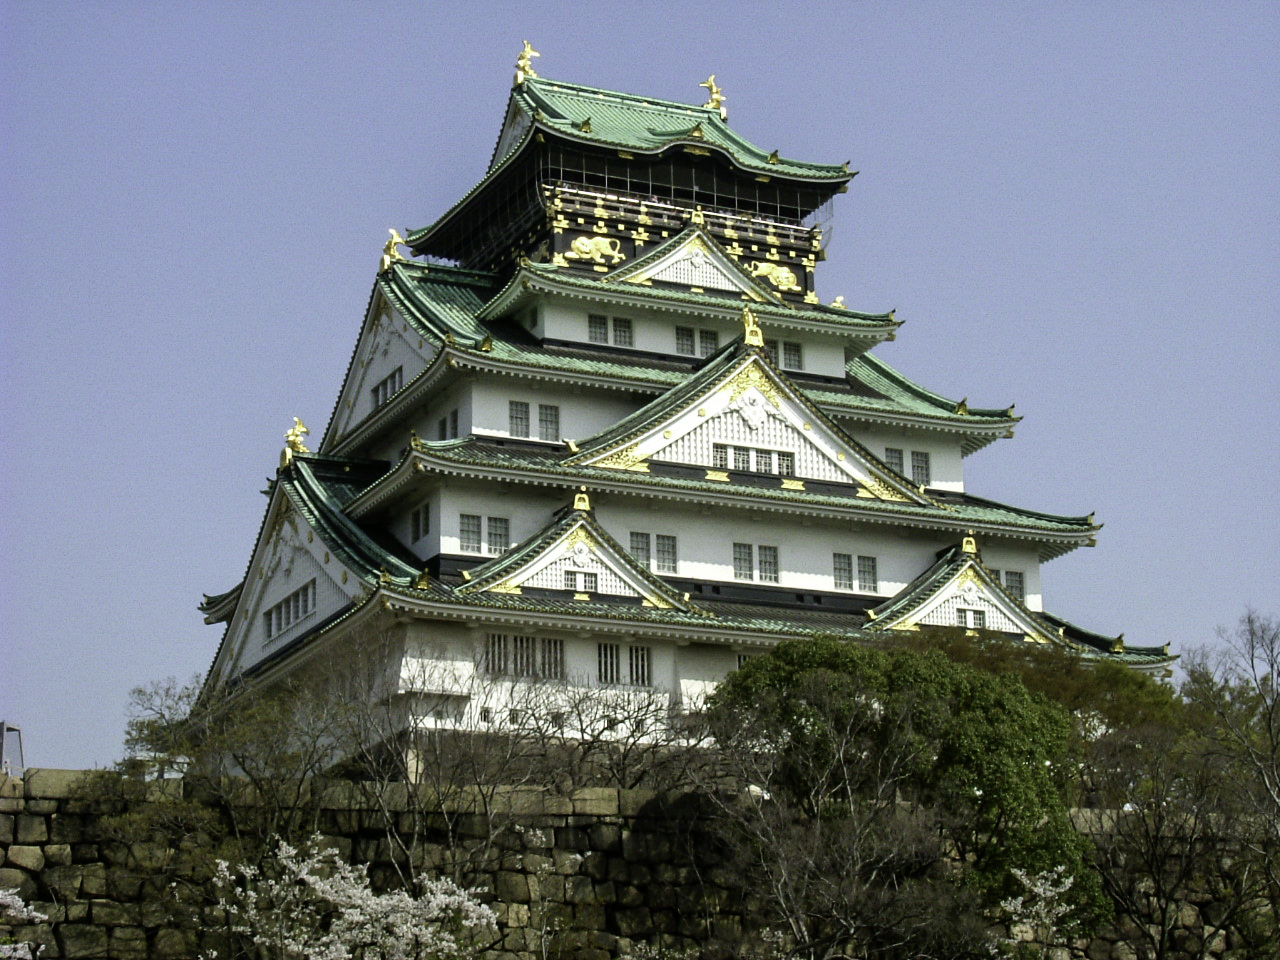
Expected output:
(694, 260)
(750, 419)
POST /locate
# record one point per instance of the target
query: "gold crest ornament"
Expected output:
(293, 442)
(717, 97)
(390, 254)
(524, 63)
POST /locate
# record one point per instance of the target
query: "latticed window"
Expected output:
(518, 418)
(597, 328)
(792, 357)
(893, 458)
(842, 570)
(720, 456)
(744, 566)
(548, 421)
(290, 610)
(708, 342)
(741, 458)
(666, 559)
(641, 548)
(685, 341)
(921, 474)
(768, 564)
(388, 387)
(640, 663)
(608, 662)
(786, 464)
(499, 539)
(580, 581)
(517, 656)
(469, 533)
(623, 334)
(1016, 583)
(868, 576)
(764, 461)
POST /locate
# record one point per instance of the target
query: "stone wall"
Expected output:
(588, 877)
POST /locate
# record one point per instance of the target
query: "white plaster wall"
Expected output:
(583, 413)
(946, 460)
(528, 511)
(390, 343)
(1024, 559)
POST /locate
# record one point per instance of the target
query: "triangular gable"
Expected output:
(745, 405)
(514, 128)
(574, 545)
(950, 591)
(692, 259)
(387, 342)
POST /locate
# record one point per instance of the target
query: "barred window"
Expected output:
(622, 332)
(641, 548)
(469, 533)
(499, 539)
(579, 581)
(388, 387)
(708, 342)
(720, 456)
(608, 657)
(921, 475)
(290, 610)
(764, 461)
(517, 656)
(741, 458)
(842, 570)
(420, 522)
(792, 357)
(518, 418)
(666, 554)
(893, 458)
(1016, 583)
(743, 561)
(972, 619)
(597, 328)
(548, 421)
(640, 662)
(786, 464)
(868, 577)
(685, 341)
(768, 564)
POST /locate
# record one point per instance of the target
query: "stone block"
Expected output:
(595, 802)
(42, 808)
(606, 892)
(566, 861)
(579, 890)
(30, 859)
(10, 805)
(539, 863)
(634, 923)
(46, 783)
(571, 838)
(108, 913)
(94, 883)
(82, 940)
(77, 912)
(63, 881)
(551, 888)
(11, 786)
(6, 828)
(29, 829)
(606, 837)
(57, 854)
(174, 944)
(629, 896)
(595, 865)
(67, 828)
(127, 943)
(123, 883)
(589, 916)
(517, 915)
(512, 887)
(11, 878)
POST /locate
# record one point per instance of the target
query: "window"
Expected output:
(469, 533)
(920, 472)
(666, 554)
(420, 522)
(639, 665)
(518, 418)
(868, 577)
(786, 464)
(388, 387)
(641, 548)
(499, 538)
(623, 331)
(580, 581)
(608, 656)
(749, 460)
(744, 565)
(893, 458)
(1016, 583)
(764, 461)
(290, 610)
(741, 459)
(685, 341)
(720, 456)
(453, 423)
(792, 357)
(972, 619)
(768, 564)
(842, 570)
(623, 335)
(443, 433)
(597, 328)
(640, 662)
(708, 342)
(745, 658)
(548, 421)
(511, 656)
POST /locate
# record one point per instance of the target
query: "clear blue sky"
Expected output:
(1073, 206)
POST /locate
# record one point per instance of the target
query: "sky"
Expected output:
(1073, 207)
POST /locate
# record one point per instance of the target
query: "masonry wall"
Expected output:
(588, 877)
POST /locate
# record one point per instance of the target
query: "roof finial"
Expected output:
(293, 442)
(752, 335)
(717, 97)
(389, 252)
(524, 63)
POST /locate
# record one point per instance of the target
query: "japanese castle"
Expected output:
(600, 428)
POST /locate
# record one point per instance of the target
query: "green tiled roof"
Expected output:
(649, 125)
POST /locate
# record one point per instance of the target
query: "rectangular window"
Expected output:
(666, 554)
(920, 472)
(744, 566)
(792, 357)
(720, 456)
(388, 387)
(893, 458)
(641, 545)
(597, 328)
(499, 539)
(868, 576)
(469, 533)
(548, 421)
(741, 458)
(453, 424)
(518, 418)
(1016, 583)
(684, 341)
(581, 582)
(972, 619)
(745, 658)
(786, 464)
(443, 433)
(282, 616)
(768, 564)
(708, 342)
(623, 336)
(640, 662)
(764, 461)
(495, 654)
(608, 656)
(534, 657)
(842, 570)
(420, 522)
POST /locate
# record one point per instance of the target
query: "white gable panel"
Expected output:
(694, 268)
(387, 345)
